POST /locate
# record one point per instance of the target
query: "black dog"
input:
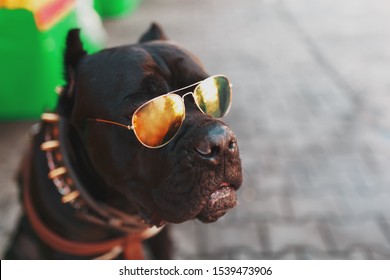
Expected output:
(105, 190)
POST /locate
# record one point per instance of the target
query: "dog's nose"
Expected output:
(218, 141)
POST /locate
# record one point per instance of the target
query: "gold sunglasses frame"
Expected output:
(131, 127)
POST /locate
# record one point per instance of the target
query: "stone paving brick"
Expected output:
(321, 208)
(10, 214)
(265, 174)
(289, 235)
(356, 233)
(4, 239)
(262, 209)
(10, 211)
(217, 241)
(370, 205)
(220, 238)
(184, 234)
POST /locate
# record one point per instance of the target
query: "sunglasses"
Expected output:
(156, 122)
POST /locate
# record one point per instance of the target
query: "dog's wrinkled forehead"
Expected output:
(137, 72)
(116, 73)
(113, 76)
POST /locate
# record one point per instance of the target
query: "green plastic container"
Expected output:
(31, 60)
(115, 8)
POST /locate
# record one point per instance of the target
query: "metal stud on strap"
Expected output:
(50, 117)
(50, 145)
(70, 196)
(57, 172)
(58, 90)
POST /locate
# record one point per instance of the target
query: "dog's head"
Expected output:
(193, 176)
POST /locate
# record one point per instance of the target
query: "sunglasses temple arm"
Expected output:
(179, 89)
(115, 123)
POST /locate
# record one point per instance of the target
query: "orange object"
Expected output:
(46, 12)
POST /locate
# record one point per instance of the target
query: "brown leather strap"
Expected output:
(131, 244)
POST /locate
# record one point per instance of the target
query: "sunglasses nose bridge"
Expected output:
(185, 95)
(182, 98)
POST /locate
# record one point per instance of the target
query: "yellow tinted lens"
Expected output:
(213, 96)
(156, 122)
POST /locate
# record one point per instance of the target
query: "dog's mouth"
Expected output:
(212, 207)
(218, 203)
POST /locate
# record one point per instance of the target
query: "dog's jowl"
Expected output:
(136, 143)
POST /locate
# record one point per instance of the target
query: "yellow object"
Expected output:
(46, 12)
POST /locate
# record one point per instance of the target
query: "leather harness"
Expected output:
(73, 193)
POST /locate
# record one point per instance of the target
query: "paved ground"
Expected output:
(312, 114)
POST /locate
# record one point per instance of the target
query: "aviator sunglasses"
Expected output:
(156, 122)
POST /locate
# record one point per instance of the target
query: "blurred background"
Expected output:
(311, 110)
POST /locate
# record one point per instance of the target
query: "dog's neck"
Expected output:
(73, 194)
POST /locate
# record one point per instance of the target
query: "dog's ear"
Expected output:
(74, 51)
(155, 32)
